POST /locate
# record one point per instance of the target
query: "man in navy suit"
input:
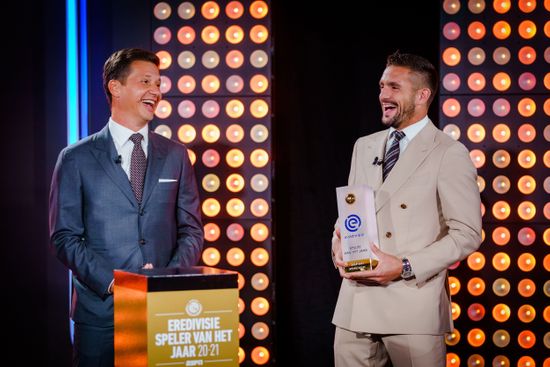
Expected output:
(99, 221)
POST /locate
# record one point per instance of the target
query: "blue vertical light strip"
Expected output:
(72, 72)
(83, 87)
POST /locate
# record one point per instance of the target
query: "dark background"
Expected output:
(327, 60)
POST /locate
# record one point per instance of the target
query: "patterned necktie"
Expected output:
(393, 153)
(138, 165)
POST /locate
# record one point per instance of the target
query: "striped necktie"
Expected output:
(138, 165)
(393, 153)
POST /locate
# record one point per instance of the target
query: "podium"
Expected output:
(176, 317)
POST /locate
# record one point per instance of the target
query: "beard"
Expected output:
(403, 114)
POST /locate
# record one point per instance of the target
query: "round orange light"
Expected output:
(501, 6)
(235, 207)
(501, 184)
(527, 29)
(211, 207)
(476, 286)
(527, 158)
(259, 256)
(526, 262)
(259, 355)
(501, 338)
(501, 312)
(475, 360)
(502, 29)
(501, 261)
(260, 330)
(527, 107)
(234, 182)
(186, 35)
(259, 9)
(210, 34)
(211, 232)
(501, 287)
(211, 256)
(235, 256)
(526, 287)
(454, 285)
(527, 55)
(502, 81)
(526, 313)
(476, 337)
(476, 30)
(451, 56)
(476, 261)
(259, 306)
(527, 339)
(453, 360)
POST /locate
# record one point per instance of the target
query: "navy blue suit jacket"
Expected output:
(96, 224)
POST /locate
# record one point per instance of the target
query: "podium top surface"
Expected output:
(176, 279)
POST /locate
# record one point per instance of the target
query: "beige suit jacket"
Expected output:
(428, 210)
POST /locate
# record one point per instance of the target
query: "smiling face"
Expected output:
(135, 99)
(402, 97)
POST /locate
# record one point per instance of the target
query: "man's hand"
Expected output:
(148, 266)
(389, 268)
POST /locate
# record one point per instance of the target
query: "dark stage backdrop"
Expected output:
(327, 60)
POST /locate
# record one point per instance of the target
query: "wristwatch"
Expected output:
(407, 272)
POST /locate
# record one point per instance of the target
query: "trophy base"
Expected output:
(360, 265)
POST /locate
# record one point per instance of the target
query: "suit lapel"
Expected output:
(374, 171)
(416, 152)
(105, 153)
(156, 156)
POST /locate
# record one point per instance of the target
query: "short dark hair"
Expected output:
(419, 65)
(117, 66)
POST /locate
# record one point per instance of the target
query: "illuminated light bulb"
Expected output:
(501, 158)
(259, 58)
(527, 158)
(259, 158)
(211, 256)
(455, 311)
(186, 59)
(475, 360)
(547, 54)
(454, 285)
(546, 107)
(546, 210)
(527, 184)
(526, 313)
(240, 281)
(259, 182)
(527, 29)
(546, 262)
(211, 207)
(451, 6)
(526, 339)
(165, 59)
(235, 256)
(259, 133)
(165, 84)
(546, 158)
(476, 6)
(258, 34)
(527, 107)
(482, 230)
(476, 30)
(259, 83)
(476, 286)
(164, 130)
(451, 82)
(501, 236)
(526, 236)
(259, 207)
(501, 287)
(259, 9)
(501, 184)
(259, 232)
(210, 182)
(501, 6)
(234, 182)
(234, 9)
(234, 59)
(241, 355)
(186, 109)
(210, 10)
(502, 81)
(234, 108)
(186, 133)
(527, 55)
(260, 281)
(451, 31)
(476, 261)
(240, 329)
(234, 158)
(234, 34)
(547, 29)
(480, 183)
(501, 361)
(527, 81)
(235, 232)
(234, 84)
(186, 35)
(476, 106)
(501, 55)
(210, 59)
(527, 6)
(259, 306)
(501, 107)
(501, 261)
(502, 30)
(546, 185)
(164, 109)
(527, 133)
(234, 133)
(210, 34)
(476, 133)
(259, 256)
(192, 156)
(241, 305)
(478, 157)
(546, 236)
(546, 313)
(260, 330)
(162, 35)
(186, 10)
(501, 312)
(501, 133)
(547, 80)
(451, 56)
(210, 158)
(211, 232)
(162, 11)
(452, 130)
(546, 341)
(527, 210)
(476, 337)
(476, 56)
(452, 360)
(259, 355)
(235, 207)
(259, 108)
(526, 262)
(501, 338)
(210, 84)
(210, 109)
(210, 133)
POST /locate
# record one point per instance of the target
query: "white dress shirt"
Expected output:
(410, 132)
(121, 137)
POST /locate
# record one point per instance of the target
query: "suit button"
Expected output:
(403, 206)
(388, 234)
(142, 242)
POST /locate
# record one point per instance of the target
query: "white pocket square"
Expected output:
(161, 180)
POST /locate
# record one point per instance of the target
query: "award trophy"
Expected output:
(357, 217)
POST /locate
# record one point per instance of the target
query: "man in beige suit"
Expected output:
(428, 213)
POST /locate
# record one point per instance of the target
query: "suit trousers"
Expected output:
(353, 349)
(93, 346)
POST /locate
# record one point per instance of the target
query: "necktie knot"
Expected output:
(136, 138)
(398, 135)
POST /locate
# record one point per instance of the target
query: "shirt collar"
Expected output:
(121, 134)
(411, 130)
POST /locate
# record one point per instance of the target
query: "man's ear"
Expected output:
(424, 95)
(114, 87)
